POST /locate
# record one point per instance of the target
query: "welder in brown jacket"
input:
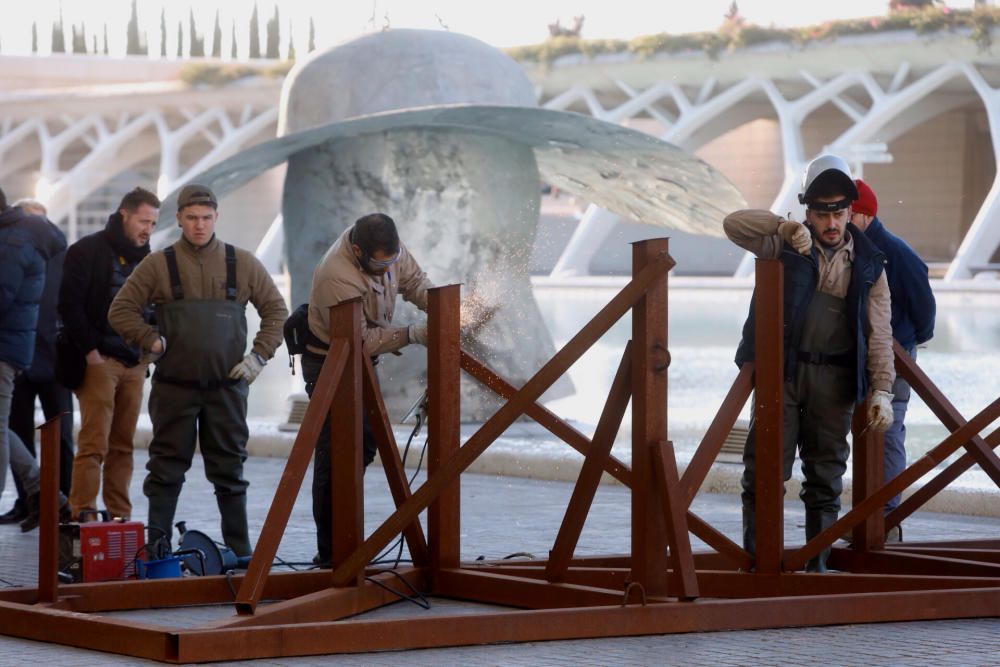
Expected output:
(367, 262)
(200, 287)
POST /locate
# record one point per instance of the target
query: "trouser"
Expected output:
(215, 419)
(322, 489)
(816, 421)
(13, 453)
(895, 437)
(110, 399)
(56, 400)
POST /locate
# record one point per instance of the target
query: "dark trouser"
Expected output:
(816, 422)
(322, 489)
(895, 437)
(55, 400)
(217, 420)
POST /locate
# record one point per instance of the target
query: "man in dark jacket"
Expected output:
(913, 312)
(39, 381)
(25, 246)
(110, 393)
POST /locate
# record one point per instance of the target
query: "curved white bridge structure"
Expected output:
(930, 105)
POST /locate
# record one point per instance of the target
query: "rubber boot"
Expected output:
(816, 522)
(234, 523)
(750, 532)
(159, 529)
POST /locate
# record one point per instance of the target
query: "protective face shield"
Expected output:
(825, 175)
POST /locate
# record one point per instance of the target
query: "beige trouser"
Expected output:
(110, 398)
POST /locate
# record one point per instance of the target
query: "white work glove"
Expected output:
(249, 368)
(796, 235)
(880, 410)
(417, 333)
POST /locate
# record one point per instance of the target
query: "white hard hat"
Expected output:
(825, 173)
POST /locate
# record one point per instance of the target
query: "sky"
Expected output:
(502, 24)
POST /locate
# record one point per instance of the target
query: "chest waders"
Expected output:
(193, 399)
(817, 407)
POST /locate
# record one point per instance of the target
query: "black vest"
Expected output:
(801, 278)
(111, 344)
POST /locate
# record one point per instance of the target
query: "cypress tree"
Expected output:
(312, 35)
(254, 33)
(217, 38)
(163, 32)
(94, 50)
(291, 43)
(273, 37)
(105, 39)
(180, 39)
(34, 37)
(132, 45)
(232, 49)
(197, 43)
(58, 35)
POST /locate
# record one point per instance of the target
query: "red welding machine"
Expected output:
(100, 550)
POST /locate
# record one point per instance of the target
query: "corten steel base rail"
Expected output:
(658, 586)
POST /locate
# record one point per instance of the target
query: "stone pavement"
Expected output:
(504, 516)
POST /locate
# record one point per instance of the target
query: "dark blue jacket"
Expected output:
(800, 280)
(27, 242)
(913, 305)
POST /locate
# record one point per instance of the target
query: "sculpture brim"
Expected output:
(633, 174)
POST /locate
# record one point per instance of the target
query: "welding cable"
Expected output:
(7, 583)
(417, 598)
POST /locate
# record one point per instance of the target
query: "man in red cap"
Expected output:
(913, 310)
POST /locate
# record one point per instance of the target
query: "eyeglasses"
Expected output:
(383, 263)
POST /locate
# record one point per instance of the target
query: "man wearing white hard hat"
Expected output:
(838, 338)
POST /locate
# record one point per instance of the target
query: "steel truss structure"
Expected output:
(659, 586)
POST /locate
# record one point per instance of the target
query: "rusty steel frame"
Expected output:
(659, 587)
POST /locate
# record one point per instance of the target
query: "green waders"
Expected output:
(194, 401)
(817, 410)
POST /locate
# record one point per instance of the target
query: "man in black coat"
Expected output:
(39, 381)
(110, 389)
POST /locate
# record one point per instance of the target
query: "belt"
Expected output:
(846, 359)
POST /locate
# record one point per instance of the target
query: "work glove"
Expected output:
(880, 410)
(417, 333)
(249, 368)
(796, 235)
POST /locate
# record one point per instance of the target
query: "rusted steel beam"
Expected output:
(443, 422)
(711, 444)
(395, 474)
(868, 454)
(975, 555)
(354, 636)
(991, 543)
(650, 360)
(543, 416)
(331, 604)
(255, 580)
(48, 513)
(611, 578)
(127, 637)
(684, 580)
(499, 422)
(768, 417)
(732, 552)
(593, 467)
(944, 410)
(931, 488)
(901, 562)
(737, 585)
(875, 501)
(521, 592)
(346, 457)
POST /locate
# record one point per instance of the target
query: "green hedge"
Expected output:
(211, 74)
(980, 20)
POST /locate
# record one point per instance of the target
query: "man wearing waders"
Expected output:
(837, 338)
(200, 287)
(367, 262)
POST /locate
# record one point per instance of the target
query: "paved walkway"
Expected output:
(502, 516)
